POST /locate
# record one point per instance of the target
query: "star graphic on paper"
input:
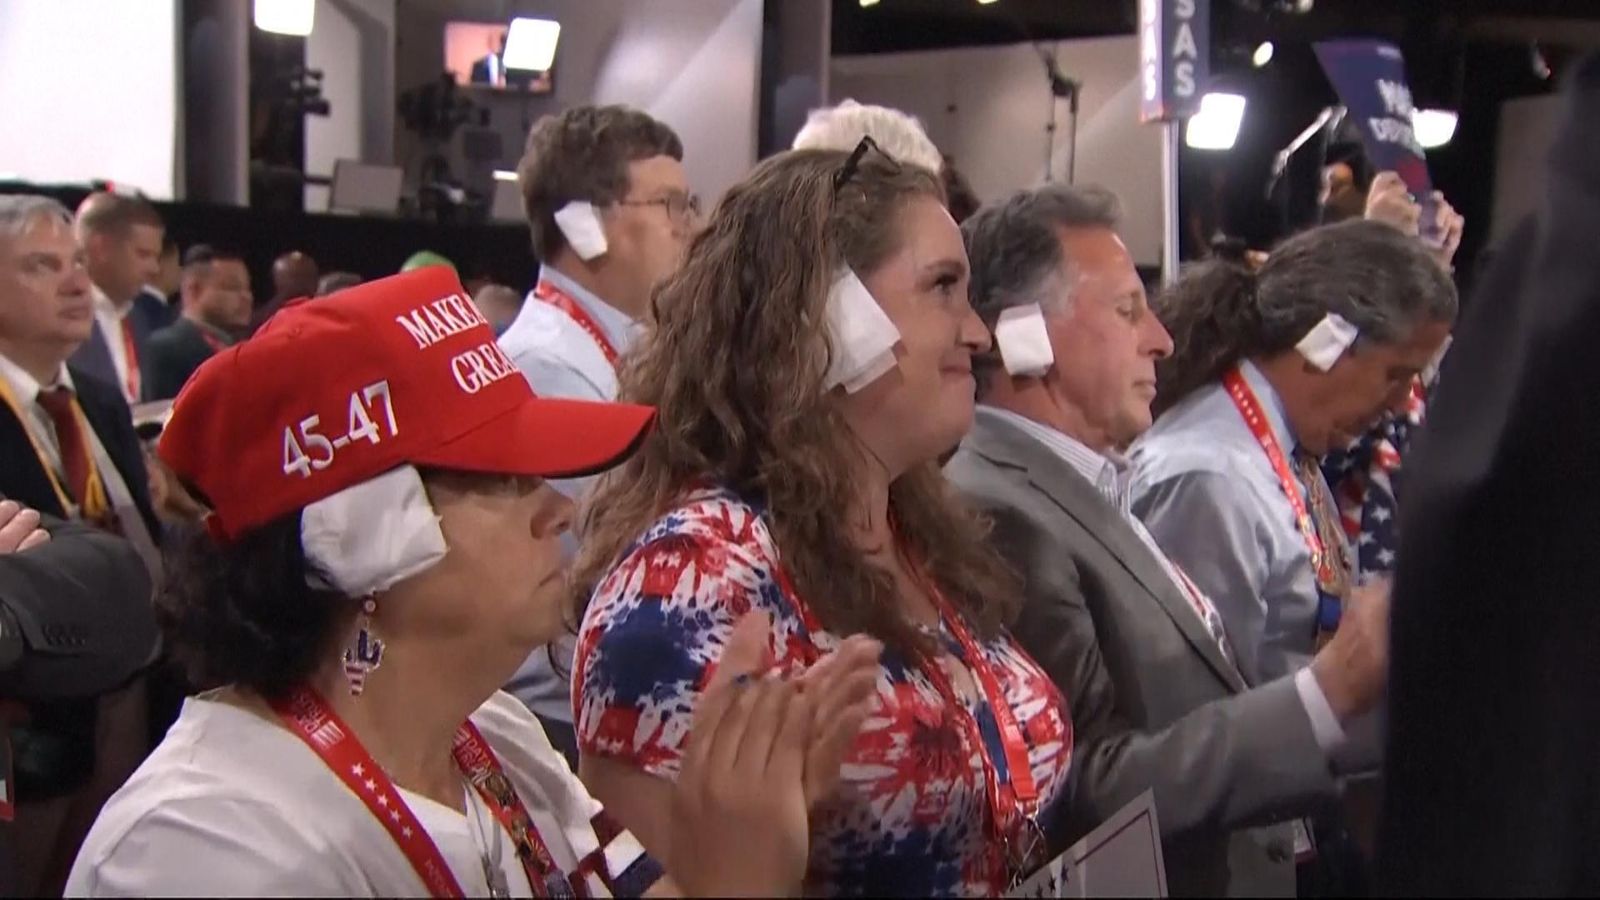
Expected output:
(358, 770)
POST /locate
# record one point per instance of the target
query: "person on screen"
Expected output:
(491, 69)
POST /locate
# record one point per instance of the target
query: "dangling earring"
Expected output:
(365, 652)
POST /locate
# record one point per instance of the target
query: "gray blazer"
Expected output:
(1154, 703)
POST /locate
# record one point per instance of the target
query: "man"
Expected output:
(499, 304)
(294, 275)
(121, 242)
(490, 69)
(216, 310)
(70, 451)
(75, 621)
(615, 178)
(1157, 700)
(1494, 737)
(165, 287)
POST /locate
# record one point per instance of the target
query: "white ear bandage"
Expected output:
(1323, 345)
(863, 337)
(1024, 341)
(580, 225)
(366, 538)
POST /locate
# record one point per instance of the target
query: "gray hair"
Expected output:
(1383, 282)
(896, 133)
(19, 211)
(1016, 254)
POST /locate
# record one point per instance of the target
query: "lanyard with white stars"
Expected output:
(314, 722)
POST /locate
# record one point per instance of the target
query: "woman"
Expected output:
(769, 485)
(361, 595)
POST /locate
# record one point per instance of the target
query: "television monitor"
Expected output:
(475, 54)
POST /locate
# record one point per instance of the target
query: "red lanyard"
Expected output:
(547, 292)
(1249, 408)
(313, 721)
(1022, 792)
(130, 352)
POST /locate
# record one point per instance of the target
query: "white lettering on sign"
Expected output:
(1395, 131)
(1185, 50)
(1396, 97)
(432, 322)
(481, 366)
(363, 425)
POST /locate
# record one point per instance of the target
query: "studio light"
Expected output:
(1263, 54)
(531, 44)
(1433, 127)
(866, 3)
(504, 175)
(1216, 125)
(985, 2)
(285, 16)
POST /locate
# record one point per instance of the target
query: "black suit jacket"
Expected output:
(94, 357)
(1493, 783)
(171, 357)
(23, 477)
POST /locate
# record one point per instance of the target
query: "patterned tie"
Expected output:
(1324, 510)
(130, 347)
(57, 401)
(1205, 609)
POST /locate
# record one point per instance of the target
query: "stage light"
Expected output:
(504, 175)
(286, 16)
(531, 44)
(1216, 125)
(1263, 54)
(1433, 127)
(985, 2)
(867, 3)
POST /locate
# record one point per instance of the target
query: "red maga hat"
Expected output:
(335, 391)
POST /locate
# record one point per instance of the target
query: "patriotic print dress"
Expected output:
(912, 813)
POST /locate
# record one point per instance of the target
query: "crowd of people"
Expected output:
(850, 537)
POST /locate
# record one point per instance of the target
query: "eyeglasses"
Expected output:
(853, 164)
(679, 207)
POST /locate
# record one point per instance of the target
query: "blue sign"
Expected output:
(1173, 53)
(1370, 78)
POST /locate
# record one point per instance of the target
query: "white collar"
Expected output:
(618, 327)
(1109, 472)
(1271, 403)
(25, 386)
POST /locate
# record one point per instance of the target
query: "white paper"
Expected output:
(1323, 345)
(1024, 340)
(1121, 858)
(863, 336)
(580, 225)
(370, 536)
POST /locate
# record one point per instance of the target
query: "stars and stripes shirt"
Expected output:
(1365, 479)
(910, 817)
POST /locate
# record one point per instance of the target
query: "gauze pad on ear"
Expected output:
(366, 538)
(580, 225)
(1323, 345)
(863, 337)
(1024, 341)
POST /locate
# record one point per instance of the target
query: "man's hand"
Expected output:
(1448, 226)
(1353, 668)
(19, 528)
(1389, 201)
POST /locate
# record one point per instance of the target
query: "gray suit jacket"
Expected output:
(1154, 703)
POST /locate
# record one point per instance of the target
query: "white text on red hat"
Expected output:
(432, 322)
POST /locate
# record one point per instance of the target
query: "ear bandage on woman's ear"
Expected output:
(1323, 345)
(863, 337)
(368, 537)
(1024, 341)
(580, 225)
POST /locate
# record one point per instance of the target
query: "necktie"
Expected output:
(1205, 609)
(57, 402)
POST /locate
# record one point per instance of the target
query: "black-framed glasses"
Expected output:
(853, 164)
(679, 207)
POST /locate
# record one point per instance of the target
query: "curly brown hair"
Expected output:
(735, 366)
